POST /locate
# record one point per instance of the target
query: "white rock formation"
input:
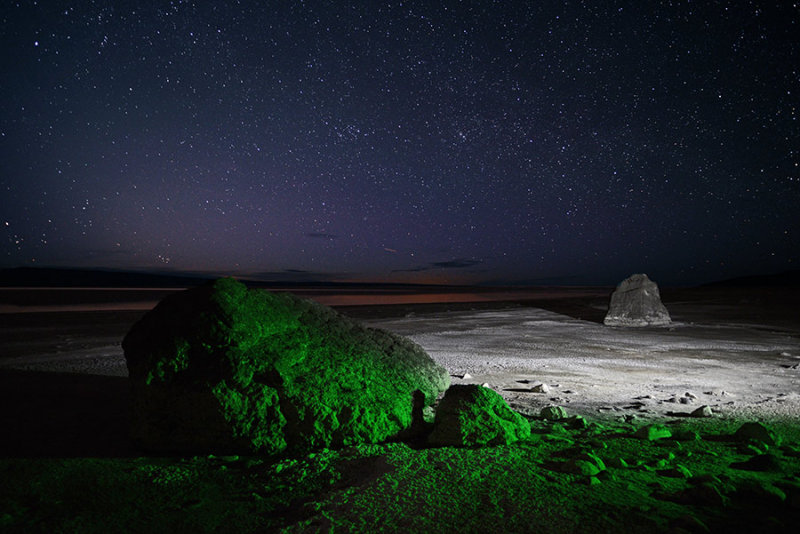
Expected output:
(637, 302)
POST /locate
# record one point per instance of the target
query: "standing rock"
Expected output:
(470, 415)
(637, 302)
(221, 368)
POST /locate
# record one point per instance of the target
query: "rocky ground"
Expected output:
(632, 459)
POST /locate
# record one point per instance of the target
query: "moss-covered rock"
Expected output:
(470, 415)
(224, 368)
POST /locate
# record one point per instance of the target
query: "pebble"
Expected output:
(541, 388)
(554, 413)
(653, 432)
(702, 411)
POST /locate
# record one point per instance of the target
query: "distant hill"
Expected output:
(52, 277)
(784, 279)
(55, 277)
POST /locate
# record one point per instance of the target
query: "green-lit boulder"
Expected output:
(226, 368)
(470, 415)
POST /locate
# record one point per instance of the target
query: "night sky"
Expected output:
(443, 142)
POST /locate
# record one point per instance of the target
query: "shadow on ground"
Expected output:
(63, 415)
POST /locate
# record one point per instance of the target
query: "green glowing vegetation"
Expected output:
(599, 478)
(225, 368)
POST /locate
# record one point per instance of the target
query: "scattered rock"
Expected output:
(792, 491)
(678, 471)
(756, 491)
(582, 467)
(702, 411)
(792, 451)
(466, 376)
(637, 302)
(757, 432)
(553, 413)
(541, 388)
(228, 369)
(760, 462)
(653, 432)
(686, 434)
(471, 415)
(486, 385)
(619, 463)
(706, 494)
(576, 422)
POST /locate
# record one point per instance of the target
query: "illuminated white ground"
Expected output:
(593, 370)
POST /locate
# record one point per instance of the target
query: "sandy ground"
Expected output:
(716, 354)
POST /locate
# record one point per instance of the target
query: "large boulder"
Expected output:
(226, 368)
(470, 415)
(637, 302)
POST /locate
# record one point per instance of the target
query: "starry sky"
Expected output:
(470, 142)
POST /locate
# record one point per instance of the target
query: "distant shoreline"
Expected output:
(68, 299)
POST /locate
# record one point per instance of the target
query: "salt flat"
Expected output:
(596, 370)
(737, 368)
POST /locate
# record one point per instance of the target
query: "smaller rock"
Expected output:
(470, 416)
(486, 385)
(686, 434)
(702, 411)
(577, 422)
(653, 432)
(582, 467)
(619, 463)
(760, 462)
(760, 492)
(541, 388)
(757, 432)
(553, 413)
(466, 376)
(706, 494)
